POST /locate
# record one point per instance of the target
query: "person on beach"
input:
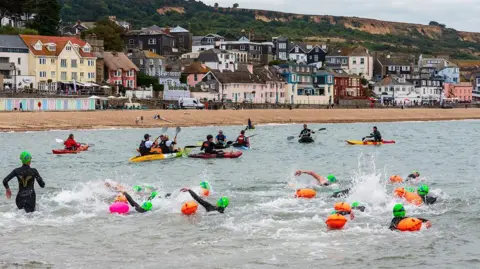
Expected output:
(373, 137)
(305, 132)
(146, 145)
(222, 203)
(221, 138)
(399, 215)
(242, 140)
(166, 145)
(321, 180)
(70, 143)
(209, 147)
(26, 197)
(250, 125)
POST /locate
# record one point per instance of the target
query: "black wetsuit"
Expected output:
(209, 147)
(410, 177)
(137, 207)
(341, 193)
(428, 200)
(343, 213)
(360, 207)
(209, 207)
(377, 137)
(305, 132)
(26, 197)
(396, 221)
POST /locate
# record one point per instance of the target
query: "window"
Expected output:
(315, 58)
(53, 75)
(91, 63)
(329, 79)
(81, 75)
(74, 63)
(63, 63)
(296, 49)
(242, 47)
(74, 75)
(63, 76)
(316, 49)
(19, 61)
(131, 41)
(354, 60)
(81, 62)
(86, 49)
(362, 60)
(118, 73)
(43, 74)
(152, 41)
(43, 61)
(344, 61)
(52, 61)
(118, 82)
(130, 83)
(130, 73)
(69, 48)
(19, 73)
(91, 75)
(153, 50)
(38, 46)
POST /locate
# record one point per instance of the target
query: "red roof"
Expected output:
(60, 41)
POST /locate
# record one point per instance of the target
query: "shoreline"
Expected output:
(115, 119)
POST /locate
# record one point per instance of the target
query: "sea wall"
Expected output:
(47, 104)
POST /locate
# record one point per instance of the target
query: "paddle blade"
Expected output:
(178, 130)
(229, 142)
(164, 130)
(251, 135)
(59, 140)
(322, 129)
(290, 137)
(191, 147)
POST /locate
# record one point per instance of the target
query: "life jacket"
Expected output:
(163, 147)
(221, 138)
(143, 149)
(241, 139)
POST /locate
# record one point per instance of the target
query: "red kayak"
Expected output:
(66, 151)
(232, 154)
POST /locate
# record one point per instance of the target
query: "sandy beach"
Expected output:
(35, 121)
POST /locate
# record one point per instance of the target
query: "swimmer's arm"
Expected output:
(423, 220)
(133, 203)
(209, 207)
(39, 179)
(8, 178)
(319, 178)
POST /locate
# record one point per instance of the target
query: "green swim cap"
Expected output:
(355, 204)
(205, 185)
(398, 210)
(331, 178)
(333, 212)
(147, 206)
(137, 188)
(25, 157)
(153, 195)
(422, 190)
(222, 202)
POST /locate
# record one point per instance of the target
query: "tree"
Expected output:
(216, 5)
(235, 5)
(47, 18)
(110, 32)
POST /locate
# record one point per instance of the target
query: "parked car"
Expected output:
(185, 103)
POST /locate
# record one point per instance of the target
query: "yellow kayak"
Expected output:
(359, 142)
(154, 157)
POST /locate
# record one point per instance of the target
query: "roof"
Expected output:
(179, 29)
(196, 68)
(152, 55)
(118, 60)
(210, 55)
(267, 74)
(390, 80)
(260, 75)
(302, 46)
(214, 35)
(12, 41)
(394, 61)
(197, 40)
(60, 41)
(349, 51)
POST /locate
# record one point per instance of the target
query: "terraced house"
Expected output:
(60, 62)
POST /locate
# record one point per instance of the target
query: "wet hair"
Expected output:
(70, 136)
(209, 137)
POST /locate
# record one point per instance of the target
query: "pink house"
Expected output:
(119, 70)
(462, 92)
(195, 73)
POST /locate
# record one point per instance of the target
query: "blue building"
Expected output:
(451, 74)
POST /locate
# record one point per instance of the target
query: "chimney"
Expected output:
(166, 30)
(250, 68)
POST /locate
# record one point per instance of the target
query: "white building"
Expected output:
(203, 43)
(218, 59)
(396, 90)
(298, 54)
(14, 63)
(361, 63)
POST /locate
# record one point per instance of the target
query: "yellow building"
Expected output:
(64, 63)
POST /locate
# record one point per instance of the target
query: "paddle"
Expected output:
(293, 137)
(199, 144)
(164, 130)
(177, 131)
(60, 141)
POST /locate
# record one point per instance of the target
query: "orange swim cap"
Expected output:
(396, 179)
(342, 206)
(121, 198)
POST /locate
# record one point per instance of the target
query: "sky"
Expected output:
(462, 15)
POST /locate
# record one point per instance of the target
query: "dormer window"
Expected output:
(68, 48)
(38, 46)
(51, 47)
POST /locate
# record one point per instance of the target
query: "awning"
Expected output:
(90, 84)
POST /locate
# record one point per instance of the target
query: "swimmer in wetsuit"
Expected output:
(343, 209)
(321, 180)
(413, 175)
(26, 197)
(423, 193)
(342, 193)
(146, 206)
(357, 206)
(222, 203)
(399, 215)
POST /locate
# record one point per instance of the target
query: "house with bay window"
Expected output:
(119, 70)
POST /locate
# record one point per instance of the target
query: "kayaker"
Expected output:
(305, 132)
(26, 197)
(209, 147)
(146, 145)
(422, 191)
(321, 180)
(413, 175)
(166, 145)
(399, 215)
(374, 137)
(221, 138)
(242, 140)
(222, 203)
(70, 143)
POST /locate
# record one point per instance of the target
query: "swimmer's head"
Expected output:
(137, 188)
(331, 178)
(355, 204)
(153, 195)
(416, 173)
(423, 190)
(121, 198)
(205, 185)
(398, 210)
(223, 202)
(25, 157)
(147, 206)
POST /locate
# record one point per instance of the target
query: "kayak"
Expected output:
(158, 156)
(231, 155)
(358, 142)
(306, 139)
(67, 151)
(154, 150)
(237, 146)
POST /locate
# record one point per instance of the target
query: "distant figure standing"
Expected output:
(141, 119)
(137, 120)
(21, 106)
